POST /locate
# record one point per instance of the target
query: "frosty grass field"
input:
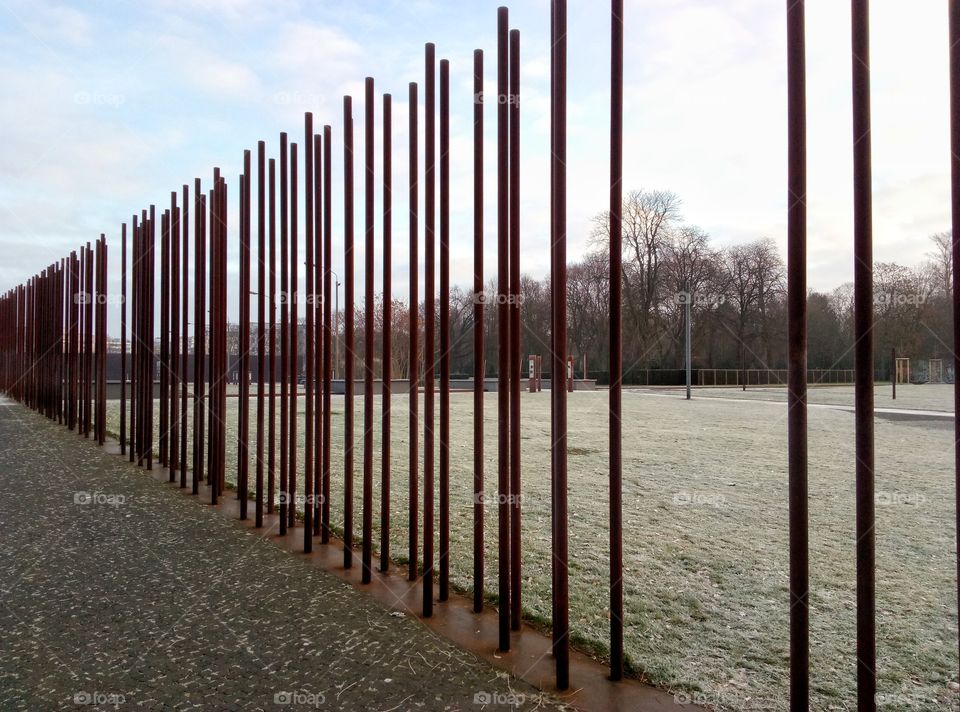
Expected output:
(705, 535)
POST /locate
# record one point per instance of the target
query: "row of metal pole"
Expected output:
(54, 342)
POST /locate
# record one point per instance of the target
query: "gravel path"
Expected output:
(118, 593)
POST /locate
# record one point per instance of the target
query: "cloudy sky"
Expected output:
(107, 106)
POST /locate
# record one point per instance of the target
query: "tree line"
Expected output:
(736, 295)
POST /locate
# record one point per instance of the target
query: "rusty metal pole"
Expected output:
(315, 306)
(616, 340)
(174, 289)
(797, 371)
(513, 307)
(294, 353)
(444, 592)
(261, 314)
(136, 341)
(123, 339)
(149, 331)
(88, 341)
(503, 328)
(272, 336)
(478, 365)
(73, 320)
(413, 463)
(199, 330)
(430, 322)
(140, 271)
(558, 394)
(164, 339)
(386, 360)
(327, 331)
(348, 381)
(954, 10)
(308, 195)
(185, 334)
(368, 340)
(213, 476)
(863, 359)
(284, 336)
(222, 373)
(243, 449)
(102, 349)
(213, 393)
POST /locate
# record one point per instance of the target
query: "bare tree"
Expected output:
(649, 219)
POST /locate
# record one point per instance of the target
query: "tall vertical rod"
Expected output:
(174, 289)
(386, 361)
(308, 196)
(102, 346)
(88, 341)
(294, 353)
(503, 328)
(199, 329)
(150, 355)
(348, 380)
(368, 340)
(327, 330)
(164, 433)
(315, 304)
(616, 339)
(444, 592)
(413, 463)
(243, 365)
(261, 326)
(272, 336)
(954, 10)
(513, 307)
(284, 336)
(123, 339)
(430, 321)
(863, 359)
(558, 393)
(185, 333)
(214, 329)
(478, 364)
(797, 367)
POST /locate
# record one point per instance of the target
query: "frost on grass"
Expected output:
(705, 536)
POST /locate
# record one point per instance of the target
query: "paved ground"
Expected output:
(117, 593)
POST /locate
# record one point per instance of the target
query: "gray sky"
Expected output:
(108, 106)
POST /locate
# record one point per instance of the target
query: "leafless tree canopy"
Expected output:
(736, 295)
